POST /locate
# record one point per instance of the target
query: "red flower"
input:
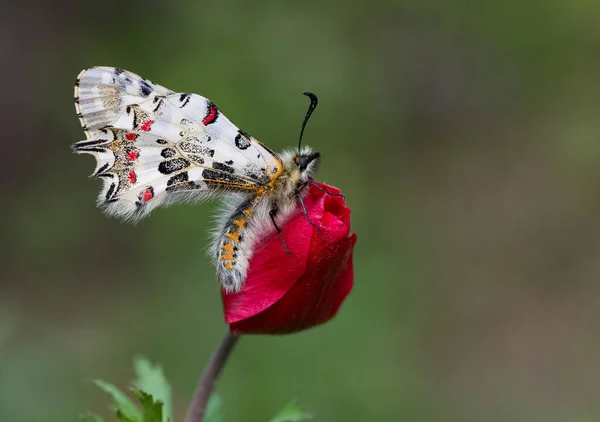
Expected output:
(285, 293)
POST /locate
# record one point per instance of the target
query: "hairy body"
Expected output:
(155, 147)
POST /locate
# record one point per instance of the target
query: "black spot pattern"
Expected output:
(160, 100)
(102, 169)
(184, 99)
(135, 119)
(196, 158)
(229, 162)
(193, 147)
(89, 143)
(251, 174)
(255, 173)
(110, 191)
(171, 166)
(181, 177)
(242, 141)
(168, 153)
(212, 178)
(223, 167)
(161, 142)
(206, 151)
(145, 88)
(180, 182)
(91, 149)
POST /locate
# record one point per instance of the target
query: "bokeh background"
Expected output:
(465, 135)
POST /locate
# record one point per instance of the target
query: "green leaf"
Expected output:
(151, 379)
(122, 418)
(122, 403)
(291, 413)
(214, 411)
(90, 417)
(151, 409)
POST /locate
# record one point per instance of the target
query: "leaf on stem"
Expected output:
(121, 403)
(151, 408)
(291, 413)
(151, 379)
(214, 412)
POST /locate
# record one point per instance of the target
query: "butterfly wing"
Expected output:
(156, 147)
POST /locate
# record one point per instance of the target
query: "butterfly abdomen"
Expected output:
(248, 220)
(234, 245)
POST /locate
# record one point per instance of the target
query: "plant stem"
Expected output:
(206, 384)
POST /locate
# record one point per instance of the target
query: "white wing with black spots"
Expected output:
(240, 146)
(103, 93)
(155, 147)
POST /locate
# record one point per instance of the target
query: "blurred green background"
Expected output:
(465, 136)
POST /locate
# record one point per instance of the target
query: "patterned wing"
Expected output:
(156, 147)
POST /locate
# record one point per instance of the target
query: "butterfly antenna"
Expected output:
(313, 104)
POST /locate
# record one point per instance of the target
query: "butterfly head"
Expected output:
(307, 160)
(300, 165)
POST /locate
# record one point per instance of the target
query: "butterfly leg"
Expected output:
(312, 183)
(272, 214)
(305, 212)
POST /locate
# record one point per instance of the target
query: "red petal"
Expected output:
(319, 189)
(272, 271)
(287, 293)
(314, 300)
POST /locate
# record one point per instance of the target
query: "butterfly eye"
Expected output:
(302, 162)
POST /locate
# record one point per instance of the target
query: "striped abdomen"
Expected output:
(233, 247)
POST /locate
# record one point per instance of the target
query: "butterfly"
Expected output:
(157, 147)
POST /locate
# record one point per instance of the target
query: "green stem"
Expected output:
(206, 384)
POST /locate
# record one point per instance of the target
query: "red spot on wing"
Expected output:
(211, 115)
(132, 177)
(131, 136)
(133, 155)
(148, 194)
(146, 126)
